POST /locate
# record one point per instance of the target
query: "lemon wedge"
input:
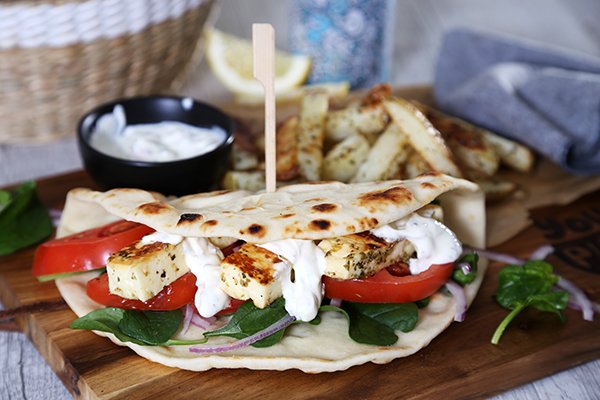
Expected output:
(230, 59)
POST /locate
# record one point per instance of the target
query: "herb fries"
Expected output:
(380, 138)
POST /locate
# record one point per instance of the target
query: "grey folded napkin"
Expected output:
(545, 98)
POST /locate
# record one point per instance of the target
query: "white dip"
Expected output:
(433, 241)
(302, 291)
(159, 142)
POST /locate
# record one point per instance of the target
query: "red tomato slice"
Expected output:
(384, 287)
(86, 250)
(173, 296)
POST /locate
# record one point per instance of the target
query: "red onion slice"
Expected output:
(277, 326)
(496, 256)
(202, 322)
(578, 297)
(460, 296)
(188, 312)
(335, 302)
(55, 215)
(542, 252)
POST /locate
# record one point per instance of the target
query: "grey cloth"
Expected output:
(545, 98)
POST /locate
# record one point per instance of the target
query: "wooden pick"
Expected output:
(263, 44)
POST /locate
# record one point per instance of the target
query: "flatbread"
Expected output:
(305, 211)
(311, 348)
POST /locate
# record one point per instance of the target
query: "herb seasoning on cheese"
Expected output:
(160, 142)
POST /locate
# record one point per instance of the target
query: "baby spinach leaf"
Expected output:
(459, 276)
(23, 219)
(146, 328)
(4, 199)
(529, 285)
(376, 324)
(104, 320)
(150, 327)
(249, 319)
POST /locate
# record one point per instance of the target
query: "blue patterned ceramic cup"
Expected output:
(348, 40)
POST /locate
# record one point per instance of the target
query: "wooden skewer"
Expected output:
(263, 44)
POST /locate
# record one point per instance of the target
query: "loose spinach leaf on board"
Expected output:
(459, 276)
(529, 285)
(146, 328)
(23, 219)
(249, 319)
(376, 323)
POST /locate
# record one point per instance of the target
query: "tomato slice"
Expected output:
(86, 250)
(384, 287)
(173, 296)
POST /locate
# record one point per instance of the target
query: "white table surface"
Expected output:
(420, 25)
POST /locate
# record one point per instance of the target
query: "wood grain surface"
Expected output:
(459, 363)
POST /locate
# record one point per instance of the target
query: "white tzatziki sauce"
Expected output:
(158, 142)
(204, 261)
(302, 291)
(433, 241)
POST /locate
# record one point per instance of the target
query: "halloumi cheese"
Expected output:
(250, 273)
(361, 255)
(140, 271)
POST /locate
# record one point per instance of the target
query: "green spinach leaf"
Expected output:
(23, 219)
(146, 328)
(529, 285)
(104, 320)
(249, 319)
(150, 327)
(459, 276)
(377, 324)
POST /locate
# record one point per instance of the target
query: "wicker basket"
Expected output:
(59, 58)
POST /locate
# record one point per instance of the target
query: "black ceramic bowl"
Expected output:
(191, 175)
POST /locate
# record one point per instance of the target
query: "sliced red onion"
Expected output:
(188, 313)
(542, 252)
(461, 300)
(277, 326)
(335, 302)
(202, 322)
(575, 306)
(465, 267)
(578, 297)
(55, 215)
(496, 256)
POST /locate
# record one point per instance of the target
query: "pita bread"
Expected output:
(310, 348)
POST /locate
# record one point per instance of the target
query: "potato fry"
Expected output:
(343, 160)
(423, 137)
(311, 134)
(415, 165)
(512, 154)
(368, 120)
(495, 189)
(243, 160)
(244, 180)
(385, 157)
(466, 142)
(287, 150)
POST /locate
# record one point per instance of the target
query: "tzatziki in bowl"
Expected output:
(173, 145)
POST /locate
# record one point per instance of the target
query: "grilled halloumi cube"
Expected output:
(249, 273)
(361, 255)
(140, 271)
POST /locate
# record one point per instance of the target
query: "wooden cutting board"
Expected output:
(459, 363)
